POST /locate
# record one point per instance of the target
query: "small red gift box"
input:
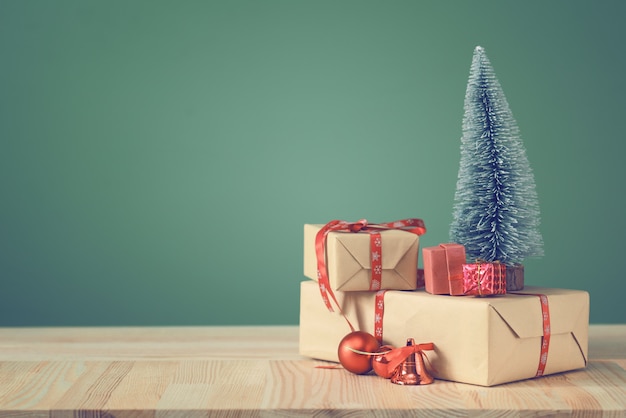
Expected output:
(484, 279)
(443, 269)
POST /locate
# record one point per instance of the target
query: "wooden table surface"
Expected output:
(256, 371)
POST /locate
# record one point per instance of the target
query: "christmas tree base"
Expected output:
(514, 277)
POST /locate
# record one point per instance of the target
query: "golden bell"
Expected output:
(425, 377)
(406, 373)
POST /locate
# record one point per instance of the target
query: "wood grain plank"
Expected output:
(148, 343)
(36, 385)
(142, 387)
(97, 394)
(217, 385)
(241, 386)
(228, 371)
(14, 380)
(85, 394)
(620, 362)
(605, 384)
(180, 399)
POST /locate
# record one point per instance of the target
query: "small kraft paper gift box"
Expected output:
(481, 341)
(483, 279)
(349, 257)
(443, 268)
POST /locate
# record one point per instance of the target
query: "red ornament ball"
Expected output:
(355, 362)
(379, 363)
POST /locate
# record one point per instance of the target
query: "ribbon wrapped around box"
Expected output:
(482, 341)
(443, 269)
(360, 256)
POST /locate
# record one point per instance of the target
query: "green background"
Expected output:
(158, 159)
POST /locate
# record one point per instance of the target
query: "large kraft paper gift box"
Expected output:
(349, 264)
(483, 341)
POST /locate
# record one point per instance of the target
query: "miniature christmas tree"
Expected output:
(496, 209)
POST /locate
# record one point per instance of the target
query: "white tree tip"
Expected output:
(479, 49)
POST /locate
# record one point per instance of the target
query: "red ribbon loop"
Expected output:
(358, 225)
(379, 313)
(394, 357)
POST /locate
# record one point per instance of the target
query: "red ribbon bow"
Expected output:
(394, 357)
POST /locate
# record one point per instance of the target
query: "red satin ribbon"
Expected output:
(545, 338)
(413, 225)
(454, 252)
(376, 260)
(395, 357)
(379, 313)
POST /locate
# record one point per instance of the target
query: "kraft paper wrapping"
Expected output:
(481, 341)
(348, 259)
